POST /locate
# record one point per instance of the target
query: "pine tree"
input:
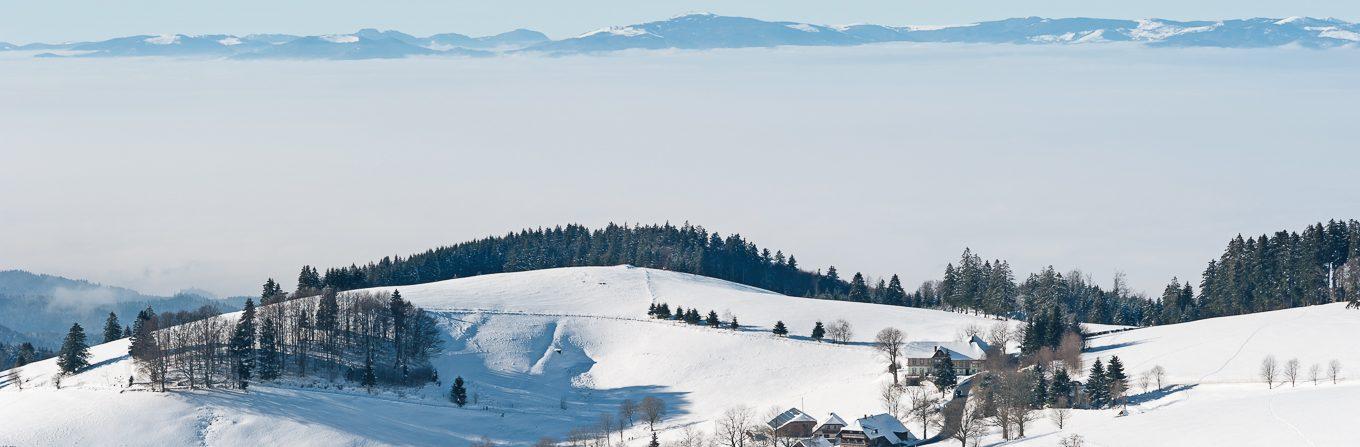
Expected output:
(75, 353)
(242, 345)
(398, 308)
(1115, 378)
(142, 338)
(1097, 386)
(859, 291)
(712, 319)
(369, 379)
(1039, 395)
(268, 358)
(895, 295)
(818, 332)
(779, 329)
(943, 374)
(309, 280)
(26, 354)
(271, 292)
(1060, 392)
(113, 330)
(457, 394)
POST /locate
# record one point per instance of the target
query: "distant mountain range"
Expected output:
(709, 31)
(40, 308)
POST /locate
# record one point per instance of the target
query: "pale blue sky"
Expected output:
(23, 21)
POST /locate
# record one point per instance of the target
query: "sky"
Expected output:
(26, 21)
(161, 175)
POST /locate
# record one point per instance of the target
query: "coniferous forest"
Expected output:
(1269, 272)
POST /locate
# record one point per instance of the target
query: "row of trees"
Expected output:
(686, 248)
(370, 338)
(692, 316)
(1286, 269)
(1273, 372)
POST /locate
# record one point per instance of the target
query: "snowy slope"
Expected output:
(526, 342)
(1216, 396)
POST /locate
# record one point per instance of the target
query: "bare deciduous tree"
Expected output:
(971, 424)
(1059, 416)
(652, 410)
(1159, 375)
(890, 395)
(546, 441)
(889, 342)
(1334, 370)
(1269, 370)
(839, 331)
(1315, 373)
(1291, 371)
(1145, 381)
(999, 336)
(969, 331)
(1074, 440)
(733, 426)
(1069, 352)
(923, 408)
(627, 411)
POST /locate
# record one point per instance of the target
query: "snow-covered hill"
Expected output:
(1215, 394)
(708, 31)
(526, 342)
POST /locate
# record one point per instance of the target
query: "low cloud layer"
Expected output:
(885, 159)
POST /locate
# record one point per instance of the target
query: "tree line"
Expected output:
(367, 338)
(1276, 271)
(686, 248)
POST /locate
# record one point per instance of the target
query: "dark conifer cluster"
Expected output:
(692, 316)
(686, 248)
(1270, 272)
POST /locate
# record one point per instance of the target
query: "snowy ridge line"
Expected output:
(740, 332)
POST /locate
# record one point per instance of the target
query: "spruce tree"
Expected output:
(26, 354)
(458, 394)
(268, 358)
(113, 330)
(1060, 392)
(651, 310)
(75, 353)
(734, 326)
(779, 329)
(859, 291)
(242, 345)
(1097, 386)
(943, 374)
(369, 379)
(895, 295)
(712, 319)
(653, 443)
(1115, 378)
(818, 332)
(1039, 394)
(142, 338)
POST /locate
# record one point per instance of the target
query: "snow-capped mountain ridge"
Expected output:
(710, 31)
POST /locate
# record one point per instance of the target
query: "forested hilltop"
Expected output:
(1288, 269)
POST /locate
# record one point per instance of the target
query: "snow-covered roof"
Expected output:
(790, 416)
(885, 426)
(973, 349)
(833, 419)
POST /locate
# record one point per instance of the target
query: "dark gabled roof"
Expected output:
(792, 415)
